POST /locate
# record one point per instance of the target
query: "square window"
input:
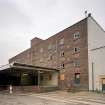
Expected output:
(41, 50)
(49, 46)
(50, 57)
(76, 35)
(76, 49)
(76, 63)
(61, 42)
(61, 47)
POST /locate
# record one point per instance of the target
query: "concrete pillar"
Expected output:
(39, 78)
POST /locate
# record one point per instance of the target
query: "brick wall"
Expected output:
(24, 57)
(58, 52)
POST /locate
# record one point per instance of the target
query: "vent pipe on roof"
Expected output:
(89, 15)
(86, 14)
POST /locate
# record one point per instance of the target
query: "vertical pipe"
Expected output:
(56, 55)
(31, 55)
(92, 76)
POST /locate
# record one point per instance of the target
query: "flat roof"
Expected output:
(25, 67)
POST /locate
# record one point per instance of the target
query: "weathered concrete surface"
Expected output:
(53, 98)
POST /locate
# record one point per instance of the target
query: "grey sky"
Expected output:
(22, 20)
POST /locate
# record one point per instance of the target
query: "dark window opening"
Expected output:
(77, 78)
(62, 66)
(76, 50)
(62, 53)
(76, 35)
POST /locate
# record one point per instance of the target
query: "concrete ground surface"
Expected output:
(53, 98)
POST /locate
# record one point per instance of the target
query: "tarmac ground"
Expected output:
(53, 98)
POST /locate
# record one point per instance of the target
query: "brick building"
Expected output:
(68, 51)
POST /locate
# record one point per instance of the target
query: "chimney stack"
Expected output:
(89, 15)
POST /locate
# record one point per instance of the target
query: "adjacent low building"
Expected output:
(78, 53)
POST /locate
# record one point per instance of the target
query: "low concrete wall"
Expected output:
(26, 89)
(48, 88)
(36, 89)
(2, 87)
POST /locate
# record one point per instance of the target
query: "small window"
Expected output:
(61, 42)
(50, 57)
(41, 50)
(41, 60)
(61, 47)
(62, 66)
(77, 78)
(76, 35)
(49, 46)
(76, 63)
(76, 50)
(62, 53)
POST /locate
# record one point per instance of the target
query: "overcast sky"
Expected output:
(22, 20)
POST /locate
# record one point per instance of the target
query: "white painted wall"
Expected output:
(98, 57)
(96, 39)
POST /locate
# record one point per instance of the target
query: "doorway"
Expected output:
(103, 84)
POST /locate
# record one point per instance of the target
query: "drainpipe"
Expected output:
(56, 55)
(92, 76)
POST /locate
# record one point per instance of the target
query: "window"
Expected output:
(76, 63)
(62, 77)
(62, 53)
(41, 50)
(61, 47)
(61, 42)
(77, 78)
(50, 57)
(49, 46)
(62, 66)
(76, 50)
(76, 35)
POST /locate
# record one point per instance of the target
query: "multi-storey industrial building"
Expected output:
(78, 53)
